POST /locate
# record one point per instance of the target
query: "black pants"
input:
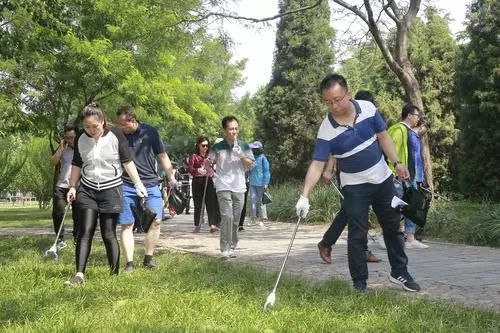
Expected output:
(244, 211)
(58, 209)
(335, 230)
(211, 202)
(107, 224)
(357, 199)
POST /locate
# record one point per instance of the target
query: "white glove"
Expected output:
(202, 171)
(141, 191)
(237, 151)
(173, 183)
(302, 206)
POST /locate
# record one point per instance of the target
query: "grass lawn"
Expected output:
(191, 293)
(198, 294)
(25, 216)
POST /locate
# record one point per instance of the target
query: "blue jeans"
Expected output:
(256, 193)
(357, 200)
(410, 226)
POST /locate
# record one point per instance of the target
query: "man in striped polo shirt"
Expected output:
(355, 134)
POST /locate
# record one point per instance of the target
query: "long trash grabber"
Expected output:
(336, 188)
(53, 249)
(271, 298)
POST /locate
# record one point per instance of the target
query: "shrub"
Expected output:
(465, 222)
(454, 221)
(325, 202)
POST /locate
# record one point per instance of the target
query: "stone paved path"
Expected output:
(467, 275)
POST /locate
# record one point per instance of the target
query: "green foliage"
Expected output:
(69, 52)
(288, 119)
(478, 84)
(325, 202)
(245, 112)
(457, 221)
(37, 174)
(12, 159)
(465, 222)
(190, 293)
(432, 51)
(367, 70)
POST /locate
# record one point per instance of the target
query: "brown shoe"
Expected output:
(370, 257)
(325, 252)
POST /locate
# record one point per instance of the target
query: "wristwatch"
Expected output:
(396, 163)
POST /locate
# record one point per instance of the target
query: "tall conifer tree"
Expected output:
(292, 112)
(478, 94)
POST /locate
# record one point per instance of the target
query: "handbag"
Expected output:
(144, 215)
(266, 198)
(418, 200)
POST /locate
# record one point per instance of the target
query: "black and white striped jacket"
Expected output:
(101, 161)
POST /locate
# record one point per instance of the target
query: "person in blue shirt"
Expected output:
(147, 149)
(340, 222)
(355, 134)
(406, 136)
(260, 175)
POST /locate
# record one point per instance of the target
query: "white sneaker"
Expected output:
(381, 243)
(261, 223)
(226, 254)
(232, 254)
(415, 244)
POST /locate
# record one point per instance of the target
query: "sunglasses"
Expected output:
(204, 146)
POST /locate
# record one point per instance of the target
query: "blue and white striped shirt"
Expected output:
(359, 156)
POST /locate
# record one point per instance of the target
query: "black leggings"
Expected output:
(88, 223)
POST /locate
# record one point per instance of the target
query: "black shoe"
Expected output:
(129, 267)
(406, 281)
(150, 265)
(240, 228)
(359, 286)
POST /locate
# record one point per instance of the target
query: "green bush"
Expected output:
(325, 202)
(453, 221)
(465, 222)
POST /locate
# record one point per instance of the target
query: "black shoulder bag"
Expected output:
(418, 200)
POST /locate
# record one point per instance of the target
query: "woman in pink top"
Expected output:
(202, 176)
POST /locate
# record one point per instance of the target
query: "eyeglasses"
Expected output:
(204, 146)
(416, 114)
(336, 100)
